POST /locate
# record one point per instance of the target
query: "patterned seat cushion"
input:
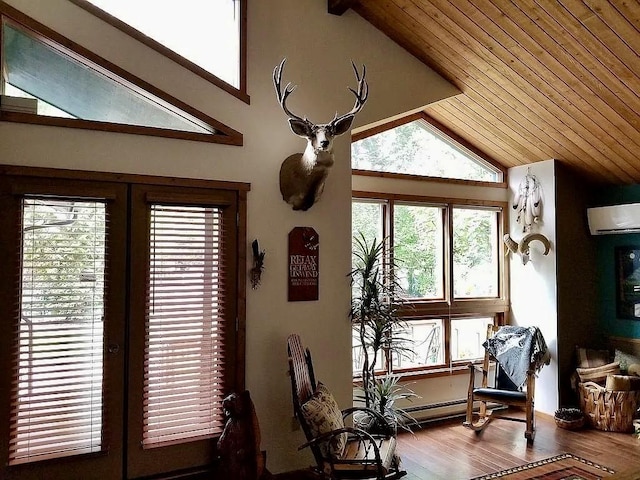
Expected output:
(322, 414)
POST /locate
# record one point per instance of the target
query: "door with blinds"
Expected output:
(64, 265)
(116, 295)
(183, 285)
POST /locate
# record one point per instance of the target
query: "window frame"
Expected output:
(240, 92)
(447, 308)
(120, 324)
(222, 133)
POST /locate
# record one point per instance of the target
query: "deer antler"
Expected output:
(282, 96)
(361, 95)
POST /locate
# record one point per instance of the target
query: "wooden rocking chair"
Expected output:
(340, 451)
(504, 393)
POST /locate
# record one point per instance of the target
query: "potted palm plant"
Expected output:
(375, 302)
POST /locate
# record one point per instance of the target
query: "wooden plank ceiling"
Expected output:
(540, 79)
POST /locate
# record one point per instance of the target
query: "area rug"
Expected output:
(561, 467)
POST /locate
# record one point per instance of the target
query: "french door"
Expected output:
(119, 307)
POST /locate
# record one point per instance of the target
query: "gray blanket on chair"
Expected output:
(516, 348)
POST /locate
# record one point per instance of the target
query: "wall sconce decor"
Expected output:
(258, 264)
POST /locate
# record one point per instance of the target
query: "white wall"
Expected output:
(533, 286)
(318, 47)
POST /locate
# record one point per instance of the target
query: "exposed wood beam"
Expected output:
(338, 7)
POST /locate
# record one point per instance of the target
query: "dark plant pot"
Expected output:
(569, 418)
(569, 424)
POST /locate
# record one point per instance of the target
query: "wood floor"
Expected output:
(451, 452)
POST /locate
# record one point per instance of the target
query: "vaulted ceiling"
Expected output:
(540, 79)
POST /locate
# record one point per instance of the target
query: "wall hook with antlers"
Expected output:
(303, 175)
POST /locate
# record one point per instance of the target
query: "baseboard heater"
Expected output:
(447, 416)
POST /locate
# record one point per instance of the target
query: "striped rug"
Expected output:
(561, 467)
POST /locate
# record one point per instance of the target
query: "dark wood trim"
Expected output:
(429, 199)
(121, 177)
(35, 119)
(424, 178)
(338, 7)
(383, 127)
(240, 93)
(226, 134)
(451, 136)
(241, 325)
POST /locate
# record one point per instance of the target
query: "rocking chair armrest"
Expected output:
(388, 427)
(358, 432)
(474, 366)
(351, 410)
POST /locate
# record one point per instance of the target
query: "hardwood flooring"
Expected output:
(448, 451)
(451, 452)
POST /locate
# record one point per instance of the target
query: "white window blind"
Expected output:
(184, 357)
(57, 402)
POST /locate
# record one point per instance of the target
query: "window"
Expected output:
(57, 409)
(184, 357)
(78, 273)
(453, 283)
(418, 148)
(46, 82)
(205, 36)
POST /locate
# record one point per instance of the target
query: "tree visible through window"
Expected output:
(445, 251)
(417, 148)
(420, 243)
(117, 294)
(57, 409)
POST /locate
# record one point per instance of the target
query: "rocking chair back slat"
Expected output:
(301, 370)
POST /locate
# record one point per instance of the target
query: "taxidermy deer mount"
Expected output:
(302, 175)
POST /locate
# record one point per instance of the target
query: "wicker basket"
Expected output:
(608, 410)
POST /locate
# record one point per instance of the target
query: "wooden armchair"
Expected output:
(340, 451)
(504, 392)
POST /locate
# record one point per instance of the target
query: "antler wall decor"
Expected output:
(302, 175)
(522, 248)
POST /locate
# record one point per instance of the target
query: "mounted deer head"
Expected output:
(302, 175)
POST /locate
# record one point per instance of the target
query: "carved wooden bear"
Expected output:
(239, 455)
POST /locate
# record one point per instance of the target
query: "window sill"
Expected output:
(459, 369)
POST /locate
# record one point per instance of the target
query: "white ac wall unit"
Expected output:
(614, 219)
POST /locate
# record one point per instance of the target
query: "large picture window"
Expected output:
(116, 294)
(450, 271)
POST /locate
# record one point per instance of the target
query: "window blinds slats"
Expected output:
(184, 366)
(56, 406)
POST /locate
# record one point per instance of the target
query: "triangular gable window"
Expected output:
(68, 88)
(207, 37)
(417, 148)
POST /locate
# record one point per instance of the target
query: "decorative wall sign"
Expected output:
(304, 266)
(628, 282)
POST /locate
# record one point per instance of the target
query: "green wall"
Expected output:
(606, 245)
